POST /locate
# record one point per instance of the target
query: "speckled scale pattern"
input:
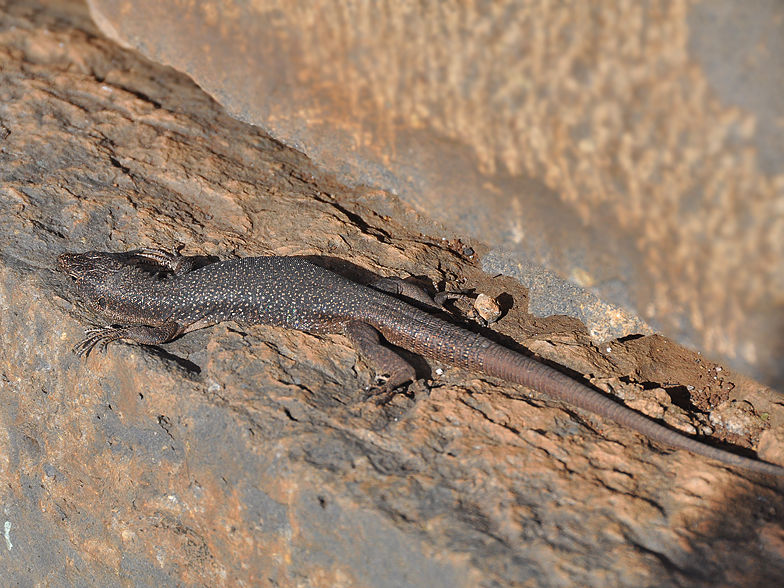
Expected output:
(288, 292)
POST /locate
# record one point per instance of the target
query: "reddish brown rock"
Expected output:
(242, 456)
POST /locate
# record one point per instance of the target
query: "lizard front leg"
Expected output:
(139, 333)
(173, 262)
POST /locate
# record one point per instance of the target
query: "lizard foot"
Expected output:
(379, 394)
(144, 334)
(165, 260)
(383, 394)
(101, 336)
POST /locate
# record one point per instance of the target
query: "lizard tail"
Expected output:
(511, 366)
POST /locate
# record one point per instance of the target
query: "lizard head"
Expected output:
(91, 271)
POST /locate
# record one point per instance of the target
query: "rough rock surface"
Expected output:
(243, 456)
(634, 148)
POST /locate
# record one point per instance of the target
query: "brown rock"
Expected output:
(242, 456)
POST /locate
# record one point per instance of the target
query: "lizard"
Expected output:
(172, 295)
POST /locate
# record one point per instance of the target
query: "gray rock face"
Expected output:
(242, 456)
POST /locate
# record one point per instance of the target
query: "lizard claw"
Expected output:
(100, 336)
(163, 260)
(383, 394)
(380, 395)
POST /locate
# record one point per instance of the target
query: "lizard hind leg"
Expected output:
(367, 342)
(399, 287)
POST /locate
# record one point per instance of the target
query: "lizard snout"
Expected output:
(65, 263)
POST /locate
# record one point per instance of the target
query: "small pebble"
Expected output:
(487, 308)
